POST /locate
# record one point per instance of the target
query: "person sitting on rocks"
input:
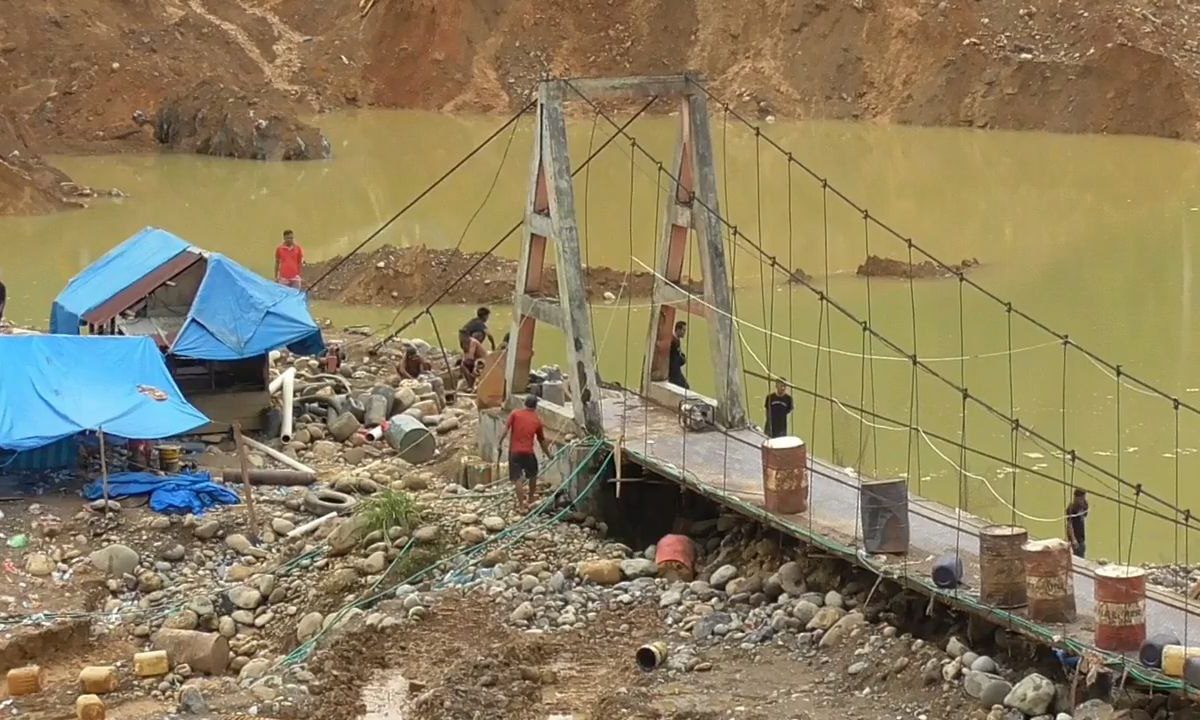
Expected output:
(413, 365)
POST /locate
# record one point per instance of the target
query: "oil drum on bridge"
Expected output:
(1049, 582)
(1120, 608)
(1002, 566)
(785, 475)
(884, 505)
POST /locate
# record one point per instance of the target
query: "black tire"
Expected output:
(323, 502)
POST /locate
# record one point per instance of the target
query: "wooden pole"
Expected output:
(244, 459)
(103, 471)
(617, 460)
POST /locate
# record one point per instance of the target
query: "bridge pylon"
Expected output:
(691, 204)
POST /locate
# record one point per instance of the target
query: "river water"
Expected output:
(1094, 236)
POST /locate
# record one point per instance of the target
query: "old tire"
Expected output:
(323, 502)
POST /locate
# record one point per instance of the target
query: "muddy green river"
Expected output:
(1092, 235)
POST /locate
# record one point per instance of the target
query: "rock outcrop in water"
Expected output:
(876, 266)
(214, 119)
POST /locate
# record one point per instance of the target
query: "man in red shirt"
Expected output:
(289, 262)
(525, 426)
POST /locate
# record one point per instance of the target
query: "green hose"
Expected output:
(305, 649)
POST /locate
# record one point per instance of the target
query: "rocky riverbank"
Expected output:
(427, 591)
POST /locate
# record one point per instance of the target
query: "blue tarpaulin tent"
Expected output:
(54, 386)
(236, 314)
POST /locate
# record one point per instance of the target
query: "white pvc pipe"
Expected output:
(285, 382)
(311, 525)
(278, 381)
(290, 462)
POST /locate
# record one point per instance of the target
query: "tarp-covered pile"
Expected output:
(54, 386)
(236, 313)
(169, 494)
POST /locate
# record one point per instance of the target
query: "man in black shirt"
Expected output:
(779, 406)
(479, 323)
(1076, 522)
(3, 299)
(677, 359)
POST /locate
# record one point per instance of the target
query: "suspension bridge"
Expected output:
(725, 461)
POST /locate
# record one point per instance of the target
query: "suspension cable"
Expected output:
(947, 267)
(421, 195)
(766, 257)
(620, 130)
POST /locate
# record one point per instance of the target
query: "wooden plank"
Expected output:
(662, 316)
(681, 215)
(244, 461)
(572, 287)
(547, 310)
(539, 224)
(665, 294)
(530, 265)
(633, 86)
(726, 360)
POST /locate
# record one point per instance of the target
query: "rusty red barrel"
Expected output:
(785, 475)
(676, 557)
(1049, 582)
(1002, 565)
(1120, 608)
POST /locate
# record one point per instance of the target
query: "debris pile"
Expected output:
(875, 266)
(417, 273)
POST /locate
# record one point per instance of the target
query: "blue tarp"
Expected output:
(111, 275)
(54, 386)
(170, 494)
(236, 314)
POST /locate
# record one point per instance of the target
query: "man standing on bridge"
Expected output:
(1077, 513)
(525, 426)
(289, 262)
(779, 406)
(677, 359)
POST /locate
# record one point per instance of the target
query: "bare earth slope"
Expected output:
(74, 72)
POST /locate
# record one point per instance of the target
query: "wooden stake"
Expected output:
(103, 471)
(617, 461)
(244, 459)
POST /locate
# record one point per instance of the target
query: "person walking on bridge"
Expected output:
(779, 406)
(525, 426)
(289, 262)
(676, 360)
(1077, 513)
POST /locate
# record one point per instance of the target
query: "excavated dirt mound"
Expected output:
(75, 72)
(215, 119)
(29, 186)
(876, 266)
(462, 662)
(392, 275)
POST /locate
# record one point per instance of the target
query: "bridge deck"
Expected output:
(730, 472)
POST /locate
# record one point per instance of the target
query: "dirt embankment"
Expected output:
(418, 274)
(75, 72)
